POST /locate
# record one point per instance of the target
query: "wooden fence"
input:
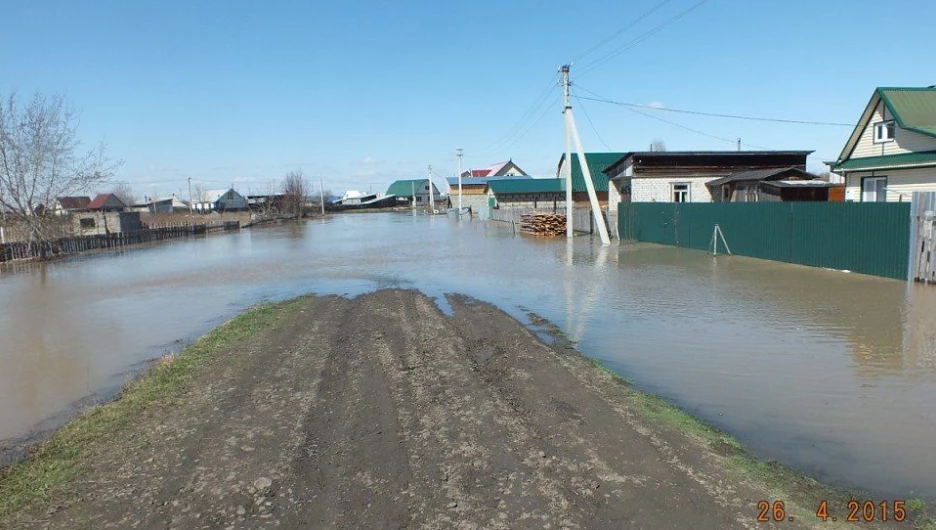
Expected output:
(923, 238)
(30, 250)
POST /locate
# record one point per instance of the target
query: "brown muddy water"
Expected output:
(829, 372)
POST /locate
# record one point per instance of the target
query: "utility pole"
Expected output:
(572, 133)
(458, 154)
(566, 110)
(739, 144)
(322, 194)
(431, 195)
(191, 203)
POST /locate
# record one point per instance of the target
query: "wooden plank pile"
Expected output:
(543, 224)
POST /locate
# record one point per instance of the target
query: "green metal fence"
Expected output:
(870, 238)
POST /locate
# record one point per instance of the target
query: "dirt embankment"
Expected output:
(381, 412)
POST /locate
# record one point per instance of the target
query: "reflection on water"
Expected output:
(831, 372)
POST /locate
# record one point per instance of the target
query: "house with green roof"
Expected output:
(415, 191)
(892, 151)
(597, 163)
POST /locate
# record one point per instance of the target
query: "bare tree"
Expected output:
(125, 193)
(658, 145)
(39, 161)
(295, 189)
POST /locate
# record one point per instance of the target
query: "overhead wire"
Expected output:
(526, 116)
(602, 99)
(642, 37)
(590, 122)
(621, 30)
(548, 108)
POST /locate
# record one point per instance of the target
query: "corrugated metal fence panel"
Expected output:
(870, 238)
(750, 229)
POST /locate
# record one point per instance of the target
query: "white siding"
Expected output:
(660, 189)
(899, 181)
(904, 141)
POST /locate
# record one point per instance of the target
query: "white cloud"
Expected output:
(657, 105)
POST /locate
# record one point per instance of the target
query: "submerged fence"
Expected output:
(26, 250)
(869, 238)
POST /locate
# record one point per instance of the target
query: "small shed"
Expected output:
(770, 185)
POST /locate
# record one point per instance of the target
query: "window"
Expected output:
(86, 223)
(427, 188)
(884, 132)
(874, 189)
(419, 199)
(681, 192)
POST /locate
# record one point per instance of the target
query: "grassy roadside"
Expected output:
(55, 463)
(800, 493)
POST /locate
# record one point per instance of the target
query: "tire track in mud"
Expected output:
(381, 412)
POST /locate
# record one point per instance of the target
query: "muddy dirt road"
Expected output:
(381, 412)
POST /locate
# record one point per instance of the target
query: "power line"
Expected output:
(590, 122)
(533, 125)
(601, 99)
(690, 129)
(617, 33)
(634, 42)
(525, 117)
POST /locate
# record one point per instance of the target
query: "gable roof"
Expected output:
(515, 185)
(763, 174)
(215, 195)
(407, 188)
(103, 199)
(494, 170)
(453, 181)
(74, 203)
(913, 108)
(597, 163)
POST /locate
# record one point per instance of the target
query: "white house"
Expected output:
(685, 176)
(415, 191)
(220, 201)
(892, 151)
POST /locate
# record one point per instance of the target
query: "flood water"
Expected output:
(832, 373)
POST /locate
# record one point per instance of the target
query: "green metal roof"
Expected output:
(597, 163)
(505, 187)
(406, 188)
(888, 161)
(913, 108)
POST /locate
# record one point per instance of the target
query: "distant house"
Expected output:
(266, 203)
(597, 163)
(414, 191)
(539, 194)
(475, 192)
(500, 169)
(106, 202)
(220, 201)
(770, 185)
(67, 205)
(892, 151)
(161, 205)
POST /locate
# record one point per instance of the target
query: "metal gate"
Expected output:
(923, 238)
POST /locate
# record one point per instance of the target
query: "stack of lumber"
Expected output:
(543, 224)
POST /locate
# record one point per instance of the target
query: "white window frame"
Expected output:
(883, 192)
(687, 191)
(884, 126)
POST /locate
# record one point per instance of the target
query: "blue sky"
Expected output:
(360, 93)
